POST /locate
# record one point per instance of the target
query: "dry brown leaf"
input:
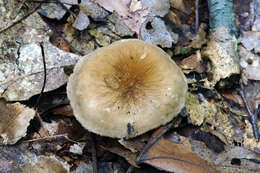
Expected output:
(64, 110)
(121, 151)
(192, 63)
(14, 120)
(175, 157)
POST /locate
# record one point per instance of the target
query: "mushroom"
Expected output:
(126, 89)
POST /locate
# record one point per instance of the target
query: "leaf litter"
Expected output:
(225, 124)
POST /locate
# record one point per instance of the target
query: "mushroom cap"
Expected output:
(126, 89)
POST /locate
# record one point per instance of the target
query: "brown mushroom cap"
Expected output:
(126, 89)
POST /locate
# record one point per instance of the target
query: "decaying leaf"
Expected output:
(14, 120)
(121, 151)
(250, 41)
(21, 63)
(118, 26)
(12, 11)
(250, 38)
(175, 157)
(192, 63)
(26, 78)
(46, 164)
(233, 160)
(153, 30)
(93, 10)
(18, 159)
(132, 12)
(156, 7)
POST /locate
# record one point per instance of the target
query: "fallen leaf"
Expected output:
(21, 65)
(26, 78)
(175, 157)
(153, 30)
(131, 11)
(192, 63)
(118, 149)
(156, 7)
(250, 40)
(46, 164)
(64, 110)
(14, 120)
(93, 10)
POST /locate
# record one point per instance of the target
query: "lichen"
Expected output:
(199, 110)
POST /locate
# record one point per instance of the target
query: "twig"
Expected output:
(94, 153)
(153, 141)
(253, 117)
(197, 16)
(52, 137)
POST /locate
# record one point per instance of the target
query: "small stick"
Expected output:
(153, 141)
(94, 153)
(48, 138)
(253, 117)
(197, 16)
